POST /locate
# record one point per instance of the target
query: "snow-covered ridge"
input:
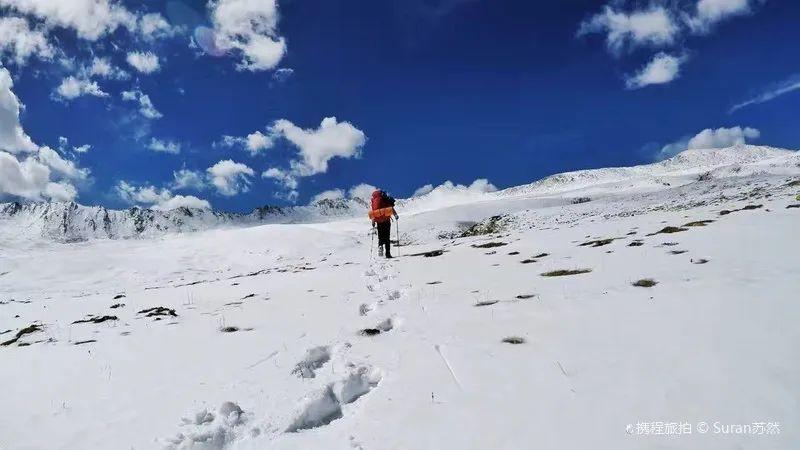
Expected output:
(69, 221)
(72, 222)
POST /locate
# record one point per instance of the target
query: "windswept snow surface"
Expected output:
(295, 336)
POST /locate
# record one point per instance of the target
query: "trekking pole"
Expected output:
(372, 243)
(397, 229)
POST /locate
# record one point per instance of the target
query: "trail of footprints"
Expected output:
(217, 430)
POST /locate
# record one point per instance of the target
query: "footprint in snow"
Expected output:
(326, 405)
(314, 359)
(212, 430)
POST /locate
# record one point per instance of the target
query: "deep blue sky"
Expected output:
(443, 90)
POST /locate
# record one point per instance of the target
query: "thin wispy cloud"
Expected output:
(784, 87)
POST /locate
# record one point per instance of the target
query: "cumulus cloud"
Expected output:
(710, 12)
(188, 179)
(26, 170)
(146, 107)
(250, 28)
(661, 24)
(230, 178)
(362, 191)
(710, 138)
(784, 87)
(19, 42)
(651, 27)
(143, 62)
(316, 147)
(254, 142)
(162, 146)
(154, 26)
(91, 19)
(102, 67)
(282, 75)
(479, 186)
(662, 69)
(158, 199)
(72, 88)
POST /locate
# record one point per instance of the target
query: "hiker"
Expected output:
(381, 215)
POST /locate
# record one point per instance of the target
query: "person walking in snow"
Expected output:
(381, 216)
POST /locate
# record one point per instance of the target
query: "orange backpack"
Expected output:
(381, 215)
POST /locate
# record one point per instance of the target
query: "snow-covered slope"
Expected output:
(295, 336)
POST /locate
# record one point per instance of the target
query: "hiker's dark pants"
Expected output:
(384, 235)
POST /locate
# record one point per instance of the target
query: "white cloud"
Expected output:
(154, 26)
(188, 179)
(182, 201)
(64, 147)
(82, 149)
(283, 177)
(72, 88)
(158, 199)
(27, 170)
(250, 27)
(103, 68)
(362, 191)
(12, 137)
(711, 12)
(785, 87)
(230, 178)
(254, 142)
(479, 186)
(662, 69)
(710, 138)
(143, 62)
(146, 107)
(91, 19)
(282, 74)
(333, 194)
(20, 42)
(158, 145)
(651, 27)
(316, 147)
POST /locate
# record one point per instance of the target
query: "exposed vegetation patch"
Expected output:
(248, 296)
(725, 212)
(486, 303)
(699, 261)
(525, 296)
(513, 253)
(542, 255)
(492, 225)
(117, 305)
(119, 296)
(699, 223)
(793, 183)
(678, 252)
(579, 200)
(528, 261)
(96, 319)
(430, 254)
(85, 342)
(229, 329)
(27, 330)
(793, 206)
(370, 332)
(514, 340)
(645, 282)
(565, 272)
(636, 243)
(158, 311)
(490, 245)
(433, 283)
(669, 230)
(598, 242)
